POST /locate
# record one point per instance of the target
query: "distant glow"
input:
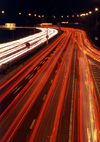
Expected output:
(62, 16)
(7, 50)
(64, 22)
(54, 16)
(46, 24)
(29, 14)
(83, 14)
(96, 9)
(35, 15)
(78, 15)
(90, 12)
(42, 15)
(72, 15)
(39, 16)
(76, 23)
(87, 14)
(10, 25)
(96, 38)
(20, 13)
(2, 11)
(67, 15)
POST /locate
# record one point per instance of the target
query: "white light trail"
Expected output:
(13, 50)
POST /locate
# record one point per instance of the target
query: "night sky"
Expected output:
(48, 6)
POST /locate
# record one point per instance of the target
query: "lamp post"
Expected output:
(96, 9)
(2, 11)
(29, 14)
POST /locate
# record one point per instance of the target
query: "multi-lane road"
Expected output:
(55, 97)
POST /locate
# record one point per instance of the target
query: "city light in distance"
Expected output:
(87, 14)
(42, 15)
(39, 16)
(90, 12)
(20, 13)
(62, 16)
(72, 15)
(2, 11)
(64, 22)
(67, 15)
(35, 15)
(96, 9)
(29, 14)
(78, 15)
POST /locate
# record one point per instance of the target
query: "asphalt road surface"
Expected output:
(55, 97)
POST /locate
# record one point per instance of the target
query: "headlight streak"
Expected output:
(13, 87)
(51, 33)
(88, 114)
(30, 101)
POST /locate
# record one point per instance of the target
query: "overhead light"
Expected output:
(35, 15)
(19, 13)
(39, 16)
(90, 12)
(96, 9)
(2, 11)
(87, 14)
(83, 14)
(29, 14)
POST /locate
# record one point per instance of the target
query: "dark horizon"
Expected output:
(48, 7)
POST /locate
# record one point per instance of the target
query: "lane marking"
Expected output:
(30, 76)
(27, 76)
(44, 97)
(35, 68)
(32, 123)
(17, 89)
(38, 68)
(55, 71)
(72, 100)
(14, 89)
(51, 80)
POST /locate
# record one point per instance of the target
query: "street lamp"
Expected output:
(87, 14)
(83, 14)
(90, 12)
(29, 14)
(39, 16)
(78, 15)
(35, 15)
(96, 9)
(20, 13)
(2, 11)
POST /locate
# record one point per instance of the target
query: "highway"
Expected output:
(55, 97)
(10, 51)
